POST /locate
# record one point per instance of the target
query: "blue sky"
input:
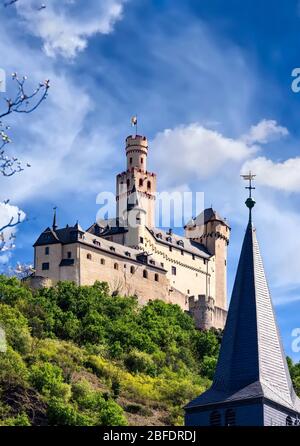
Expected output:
(211, 84)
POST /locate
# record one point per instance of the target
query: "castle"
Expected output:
(136, 258)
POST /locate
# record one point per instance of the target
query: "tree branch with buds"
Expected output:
(23, 102)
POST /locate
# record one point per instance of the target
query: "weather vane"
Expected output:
(250, 203)
(134, 123)
(249, 177)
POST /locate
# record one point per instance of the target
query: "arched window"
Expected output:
(148, 184)
(116, 266)
(289, 421)
(141, 182)
(142, 160)
(102, 261)
(156, 277)
(230, 417)
(145, 274)
(89, 256)
(132, 269)
(215, 418)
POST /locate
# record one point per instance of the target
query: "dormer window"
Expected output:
(169, 239)
(180, 243)
(112, 248)
(159, 235)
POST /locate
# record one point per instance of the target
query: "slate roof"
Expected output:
(65, 235)
(205, 216)
(180, 242)
(252, 362)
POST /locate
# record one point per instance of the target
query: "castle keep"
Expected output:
(136, 258)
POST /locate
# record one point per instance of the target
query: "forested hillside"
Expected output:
(78, 356)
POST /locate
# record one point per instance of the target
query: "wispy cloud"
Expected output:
(65, 27)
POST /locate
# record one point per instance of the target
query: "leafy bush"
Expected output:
(48, 379)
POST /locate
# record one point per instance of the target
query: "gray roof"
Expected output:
(252, 362)
(180, 242)
(206, 216)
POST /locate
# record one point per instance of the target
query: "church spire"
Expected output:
(252, 373)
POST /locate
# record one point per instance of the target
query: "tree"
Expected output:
(23, 102)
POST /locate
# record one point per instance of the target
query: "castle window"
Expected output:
(204, 261)
(112, 248)
(152, 262)
(141, 240)
(188, 291)
(156, 277)
(47, 250)
(141, 182)
(130, 160)
(102, 261)
(89, 256)
(162, 265)
(180, 243)
(174, 270)
(142, 160)
(159, 235)
(69, 254)
(128, 184)
(225, 263)
(169, 239)
(145, 274)
(45, 266)
(128, 254)
(170, 248)
(215, 418)
(230, 417)
(193, 256)
(132, 269)
(182, 253)
(289, 421)
(149, 185)
(116, 266)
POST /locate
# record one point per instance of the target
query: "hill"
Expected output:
(79, 356)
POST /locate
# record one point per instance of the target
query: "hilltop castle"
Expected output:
(136, 258)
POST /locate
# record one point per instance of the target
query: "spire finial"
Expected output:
(54, 225)
(250, 203)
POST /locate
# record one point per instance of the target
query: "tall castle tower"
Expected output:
(136, 178)
(213, 232)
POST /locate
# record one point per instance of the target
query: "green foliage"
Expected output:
(16, 328)
(48, 380)
(82, 351)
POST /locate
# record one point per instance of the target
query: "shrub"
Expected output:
(140, 362)
(48, 379)
(16, 328)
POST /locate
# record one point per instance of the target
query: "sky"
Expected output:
(210, 82)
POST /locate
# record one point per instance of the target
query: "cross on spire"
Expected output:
(250, 203)
(249, 177)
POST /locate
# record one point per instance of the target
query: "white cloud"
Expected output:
(65, 27)
(7, 213)
(194, 151)
(265, 131)
(278, 175)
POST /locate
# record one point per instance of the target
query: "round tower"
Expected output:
(136, 152)
(136, 177)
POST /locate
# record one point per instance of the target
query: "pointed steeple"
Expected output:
(54, 225)
(252, 364)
